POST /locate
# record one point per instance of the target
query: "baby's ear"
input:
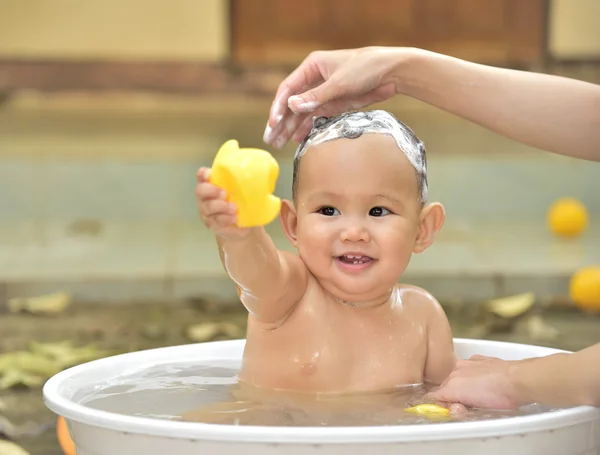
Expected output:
(289, 220)
(431, 221)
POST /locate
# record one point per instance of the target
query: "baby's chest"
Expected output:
(348, 344)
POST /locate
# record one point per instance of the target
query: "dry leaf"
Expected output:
(45, 304)
(231, 330)
(52, 350)
(208, 305)
(538, 329)
(10, 448)
(203, 332)
(479, 331)
(27, 430)
(207, 331)
(85, 226)
(511, 307)
(42, 361)
(152, 331)
(15, 377)
(28, 362)
(65, 354)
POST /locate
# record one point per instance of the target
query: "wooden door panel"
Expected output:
(486, 17)
(488, 31)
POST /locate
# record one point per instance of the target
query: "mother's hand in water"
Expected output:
(480, 382)
(328, 83)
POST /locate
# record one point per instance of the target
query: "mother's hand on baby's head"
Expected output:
(329, 83)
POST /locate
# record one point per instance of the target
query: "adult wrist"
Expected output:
(408, 69)
(515, 387)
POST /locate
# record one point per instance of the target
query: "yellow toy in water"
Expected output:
(248, 175)
(585, 288)
(428, 410)
(567, 217)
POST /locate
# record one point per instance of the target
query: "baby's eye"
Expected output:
(379, 211)
(328, 211)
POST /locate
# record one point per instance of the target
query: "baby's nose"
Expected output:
(354, 233)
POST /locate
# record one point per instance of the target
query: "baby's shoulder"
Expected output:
(417, 299)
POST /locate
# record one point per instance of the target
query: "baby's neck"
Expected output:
(393, 298)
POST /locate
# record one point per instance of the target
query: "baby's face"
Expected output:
(358, 213)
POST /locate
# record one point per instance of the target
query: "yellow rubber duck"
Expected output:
(429, 410)
(248, 175)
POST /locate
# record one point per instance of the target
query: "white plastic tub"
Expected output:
(574, 431)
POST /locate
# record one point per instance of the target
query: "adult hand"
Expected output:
(328, 83)
(480, 382)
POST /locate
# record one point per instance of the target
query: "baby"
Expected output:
(333, 319)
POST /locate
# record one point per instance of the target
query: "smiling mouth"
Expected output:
(355, 259)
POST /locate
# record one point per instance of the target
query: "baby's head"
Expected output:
(352, 125)
(359, 206)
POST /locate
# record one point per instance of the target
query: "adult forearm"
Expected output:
(552, 113)
(560, 379)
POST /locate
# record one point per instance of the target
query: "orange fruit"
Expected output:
(567, 217)
(585, 288)
(64, 438)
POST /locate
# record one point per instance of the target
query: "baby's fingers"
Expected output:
(206, 191)
(214, 207)
(221, 221)
(203, 174)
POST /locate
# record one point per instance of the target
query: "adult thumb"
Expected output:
(312, 99)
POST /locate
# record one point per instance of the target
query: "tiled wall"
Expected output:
(142, 167)
(160, 189)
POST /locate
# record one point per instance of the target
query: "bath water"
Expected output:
(210, 392)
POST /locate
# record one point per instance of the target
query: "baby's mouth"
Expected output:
(354, 259)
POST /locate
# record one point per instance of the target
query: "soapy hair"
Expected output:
(352, 125)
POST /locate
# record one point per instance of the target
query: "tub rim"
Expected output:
(56, 401)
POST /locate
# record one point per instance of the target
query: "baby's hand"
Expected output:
(216, 212)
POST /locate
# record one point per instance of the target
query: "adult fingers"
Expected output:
(306, 75)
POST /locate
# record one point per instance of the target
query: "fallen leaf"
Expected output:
(65, 354)
(152, 331)
(203, 332)
(9, 430)
(538, 329)
(28, 362)
(231, 330)
(15, 377)
(45, 304)
(207, 331)
(209, 305)
(479, 331)
(52, 350)
(42, 361)
(10, 448)
(85, 226)
(511, 307)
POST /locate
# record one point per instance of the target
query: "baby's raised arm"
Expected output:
(269, 282)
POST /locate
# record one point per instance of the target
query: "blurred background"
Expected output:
(107, 109)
